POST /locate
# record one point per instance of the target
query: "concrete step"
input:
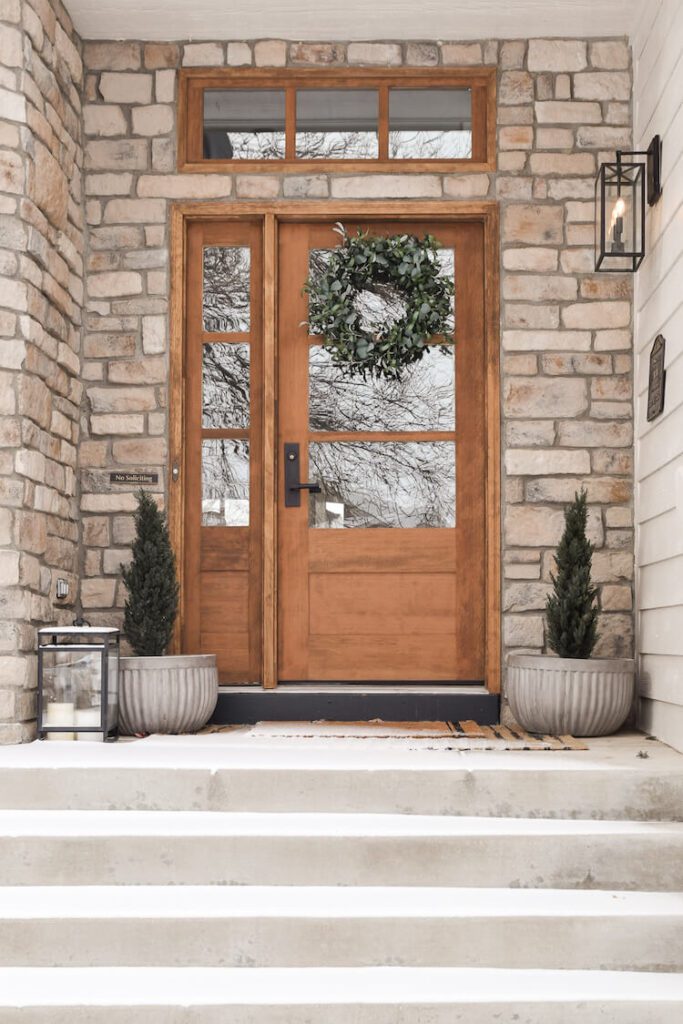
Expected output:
(200, 848)
(237, 926)
(394, 995)
(231, 772)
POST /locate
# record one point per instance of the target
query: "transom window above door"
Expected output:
(355, 119)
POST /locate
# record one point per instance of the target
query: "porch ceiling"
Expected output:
(351, 19)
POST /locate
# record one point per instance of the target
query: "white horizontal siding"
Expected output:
(658, 108)
(661, 630)
(661, 678)
(659, 539)
(663, 720)
(661, 586)
(661, 491)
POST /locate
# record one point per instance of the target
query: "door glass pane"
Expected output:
(336, 124)
(430, 124)
(382, 483)
(376, 309)
(225, 482)
(225, 299)
(225, 385)
(446, 259)
(423, 399)
(244, 124)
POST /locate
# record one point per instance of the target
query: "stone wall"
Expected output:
(566, 333)
(41, 292)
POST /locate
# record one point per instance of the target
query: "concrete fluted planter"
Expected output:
(171, 694)
(583, 697)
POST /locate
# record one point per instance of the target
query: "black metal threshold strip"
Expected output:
(357, 702)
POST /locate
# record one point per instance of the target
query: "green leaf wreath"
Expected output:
(401, 270)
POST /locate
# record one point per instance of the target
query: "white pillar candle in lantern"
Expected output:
(59, 713)
(88, 718)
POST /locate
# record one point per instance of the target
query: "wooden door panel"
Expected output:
(233, 654)
(384, 603)
(377, 657)
(225, 601)
(409, 551)
(225, 549)
(393, 604)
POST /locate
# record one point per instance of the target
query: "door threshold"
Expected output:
(356, 702)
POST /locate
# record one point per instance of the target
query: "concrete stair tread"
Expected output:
(256, 986)
(188, 824)
(379, 902)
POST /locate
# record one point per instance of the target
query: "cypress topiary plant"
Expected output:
(151, 581)
(570, 610)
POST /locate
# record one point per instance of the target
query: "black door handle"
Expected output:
(293, 487)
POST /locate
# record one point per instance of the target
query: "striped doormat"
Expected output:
(436, 735)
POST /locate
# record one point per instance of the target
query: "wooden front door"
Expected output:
(382, 573)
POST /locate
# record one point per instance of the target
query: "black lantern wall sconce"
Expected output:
(621, 190)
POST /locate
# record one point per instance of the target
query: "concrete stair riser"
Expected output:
(287, 927)
(345, 850)
(635, 796)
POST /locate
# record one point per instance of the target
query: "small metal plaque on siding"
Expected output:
(657, 379)
(134, 478)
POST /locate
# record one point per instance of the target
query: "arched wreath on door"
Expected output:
(376, 301)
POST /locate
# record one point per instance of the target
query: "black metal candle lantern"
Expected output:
(621, 189)
(78, 676)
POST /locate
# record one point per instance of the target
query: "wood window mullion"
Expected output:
(290, 123)
(383, 122)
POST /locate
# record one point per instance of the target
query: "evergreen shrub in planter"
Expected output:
(573, 692)
(159, 693)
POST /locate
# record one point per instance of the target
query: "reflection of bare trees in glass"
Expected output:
(391, 484)
(257, 145)
(225, 302)
(336, 145)
(225, 385)
(430, 145)
(225, 482)
(423, 399)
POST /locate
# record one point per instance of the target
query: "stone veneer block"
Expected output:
(383, 54)
(321, 54)
(270, 53)
(387, 186)
(239, 54)
(121, 87)
(203, 54)
(602, 85)
(610, 55)
(556, 55)
(155, 119)
(568, 112)
(461, 54)
(111, 56)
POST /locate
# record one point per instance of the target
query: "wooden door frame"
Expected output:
(270, 214)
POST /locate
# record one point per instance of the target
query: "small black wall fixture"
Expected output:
(621, 190)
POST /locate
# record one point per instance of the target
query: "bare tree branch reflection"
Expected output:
(430, 145)
(225, 385)
(225, 300)
(392, 484)
(423, 399)
(225, 482)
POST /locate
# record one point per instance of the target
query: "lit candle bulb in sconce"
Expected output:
(617, 225)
